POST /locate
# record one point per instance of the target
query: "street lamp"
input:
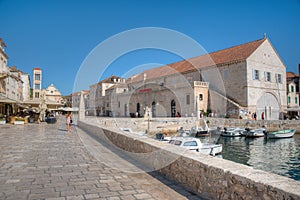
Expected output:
(146, 109)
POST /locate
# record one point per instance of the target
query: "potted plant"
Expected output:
(19, 120)
(2, 119)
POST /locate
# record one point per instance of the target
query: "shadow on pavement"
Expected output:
(141, 168)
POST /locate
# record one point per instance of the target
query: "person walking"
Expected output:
(254, 116)
(262, 115)
(69, 121)
(178, 114)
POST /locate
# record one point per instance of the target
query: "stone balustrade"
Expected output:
(201, 83)
(210, 177)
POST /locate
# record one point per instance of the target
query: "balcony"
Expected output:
(200, 84)
(3, 75)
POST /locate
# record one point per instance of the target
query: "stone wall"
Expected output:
(141, 124)
(212, 178)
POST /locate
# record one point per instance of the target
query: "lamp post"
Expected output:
(146, 109)
(197, 108)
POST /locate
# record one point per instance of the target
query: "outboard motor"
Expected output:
(159, 136)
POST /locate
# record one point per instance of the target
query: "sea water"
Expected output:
(279, 156)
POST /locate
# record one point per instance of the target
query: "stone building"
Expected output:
(53, 97)
(53, 94)
(97, 103)
(293, 85)
(14, 84)
(67, 100)
(232, 82)
(25, 78)
(165, 91)
(22, 92)
(3, 68)
(112, 101)
(37, 82)
(254, 77)
(76, 98)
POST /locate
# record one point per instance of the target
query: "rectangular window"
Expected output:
(119, 104)
(200, 97)
(292, 88)
(37, 86)
(289, 99)
(278, 78)
(37, 77)
(37, 95)
(255, 74)
(296, 100)
(188, 99)
(268, 76)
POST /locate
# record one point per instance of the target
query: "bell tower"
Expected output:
(37, 83)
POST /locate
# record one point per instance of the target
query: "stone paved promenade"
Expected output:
(46, 162)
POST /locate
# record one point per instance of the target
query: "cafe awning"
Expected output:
(6, 100)
(68, 109)
(296, 108)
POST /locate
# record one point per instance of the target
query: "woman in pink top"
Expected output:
(69, 121)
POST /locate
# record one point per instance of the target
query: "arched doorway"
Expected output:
(268, 104)
(173, 108)
(153, 109)
(138, 108)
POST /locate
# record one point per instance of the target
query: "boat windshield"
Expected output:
(190, 143)
(176, 142)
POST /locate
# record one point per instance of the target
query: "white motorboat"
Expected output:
(128, 130)
(199, 131)
(282, 134)
(184, 132)
(161, 137)
(231, 132)
(254, 133)
(196, 145)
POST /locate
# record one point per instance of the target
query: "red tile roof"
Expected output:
(2, 42)
(229, 55)
(291, 75)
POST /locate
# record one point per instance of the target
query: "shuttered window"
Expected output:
(268, 76)
(256, 74)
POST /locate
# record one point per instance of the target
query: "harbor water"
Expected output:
(279, 156)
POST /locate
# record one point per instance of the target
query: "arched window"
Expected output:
(138, 108)
(153, 109)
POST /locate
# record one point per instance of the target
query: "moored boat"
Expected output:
(287, 133)
(199, 131)
(231, 132)
(255, 132)
(196, 145)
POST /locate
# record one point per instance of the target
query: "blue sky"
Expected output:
(57, 35)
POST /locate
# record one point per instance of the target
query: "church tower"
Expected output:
(37, 83)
